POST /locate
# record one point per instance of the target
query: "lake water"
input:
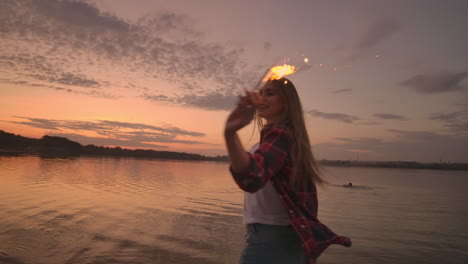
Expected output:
(104, 210)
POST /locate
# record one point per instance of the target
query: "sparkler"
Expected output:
(292, 66)
(273, 73)
(277, 72)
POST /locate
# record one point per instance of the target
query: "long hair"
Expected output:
(305, 169)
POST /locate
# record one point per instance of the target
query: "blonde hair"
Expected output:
(305, 169)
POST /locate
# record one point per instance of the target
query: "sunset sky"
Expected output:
(389, 79)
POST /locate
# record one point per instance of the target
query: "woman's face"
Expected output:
(272, 106)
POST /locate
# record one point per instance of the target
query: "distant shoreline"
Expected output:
(225, 159)
(397, 165)
(59, 147)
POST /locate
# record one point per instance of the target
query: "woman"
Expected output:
(279, 177)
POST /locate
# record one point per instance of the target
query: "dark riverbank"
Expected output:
(59, 147)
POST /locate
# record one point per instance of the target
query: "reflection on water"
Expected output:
(117, 211)
(92, 210)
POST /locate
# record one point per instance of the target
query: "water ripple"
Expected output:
(88, 210)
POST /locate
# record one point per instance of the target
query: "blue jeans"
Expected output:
(272, 244)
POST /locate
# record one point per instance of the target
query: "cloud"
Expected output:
(76, 80)
(334, 116)
(436, 82)
(67, 79)
(342, 91)
(209, 101)
(374, 33)
(267, 46)
(142, 136)
(368, 123)
(114, 132)
(77, 14)
(390, 116)
(415, 135)
(39, 123)
(166, 129)
(373, 144)
(419, 146)
(74, 44)
(89, 92)
(456, 122)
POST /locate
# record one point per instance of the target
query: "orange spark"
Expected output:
(280, 71)
(275, 73)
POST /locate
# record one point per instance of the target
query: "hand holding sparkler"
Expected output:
(242, 115)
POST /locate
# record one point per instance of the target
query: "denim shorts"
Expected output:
(272, 244)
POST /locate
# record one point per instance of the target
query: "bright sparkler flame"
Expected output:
(275, 73)
(280, 71)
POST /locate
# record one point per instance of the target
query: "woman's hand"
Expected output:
(241, 116)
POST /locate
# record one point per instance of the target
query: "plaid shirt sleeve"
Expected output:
(268, 160)
(302, 209)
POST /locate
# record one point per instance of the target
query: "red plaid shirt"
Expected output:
(272, 162)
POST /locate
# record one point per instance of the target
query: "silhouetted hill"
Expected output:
(58, 147)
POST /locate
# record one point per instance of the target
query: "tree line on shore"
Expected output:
(60, 147)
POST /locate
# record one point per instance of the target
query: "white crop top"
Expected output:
(264, 206)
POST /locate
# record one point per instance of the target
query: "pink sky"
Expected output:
(388, 79)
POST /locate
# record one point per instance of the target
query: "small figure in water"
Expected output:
(350, 184)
